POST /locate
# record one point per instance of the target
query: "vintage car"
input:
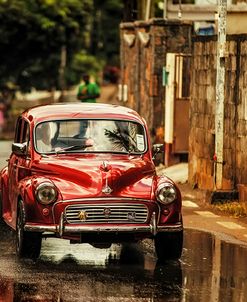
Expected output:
(85, 172)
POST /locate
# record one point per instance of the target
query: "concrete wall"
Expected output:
(236, 22)
(143, 55)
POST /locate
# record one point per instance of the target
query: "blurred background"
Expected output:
(46, 46)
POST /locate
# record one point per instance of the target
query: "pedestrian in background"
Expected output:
(88, 91)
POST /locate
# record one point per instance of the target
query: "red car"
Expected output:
(85, 172)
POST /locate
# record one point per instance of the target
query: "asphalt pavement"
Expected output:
(5, 147)
(178, 172)
(199, 214)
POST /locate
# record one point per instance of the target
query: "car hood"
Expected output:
(97, 176)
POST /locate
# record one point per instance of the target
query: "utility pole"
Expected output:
(165, 9)
(148, 8)
(220, 95)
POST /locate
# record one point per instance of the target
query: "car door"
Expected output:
(18, 167)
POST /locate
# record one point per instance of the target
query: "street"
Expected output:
(212, 267)
(210, 270)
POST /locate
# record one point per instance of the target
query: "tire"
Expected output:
(169, 246)
(28, 244)
(101, 245)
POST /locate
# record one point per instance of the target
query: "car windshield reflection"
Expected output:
(112, 136)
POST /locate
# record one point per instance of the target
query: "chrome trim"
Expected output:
(46, 184)
(161, 186)
(153, 224)
(103, 198)
(61, 225)
(115, 229)
(109, 118)
(170, 228)
(95, 213)
(40, 228)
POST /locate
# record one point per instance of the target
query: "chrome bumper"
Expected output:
(113, 230)
(61, 229)
(88, 229)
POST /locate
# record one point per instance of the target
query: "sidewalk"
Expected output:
(199, 214)
(179, 174)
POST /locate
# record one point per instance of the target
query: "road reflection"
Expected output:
(210, 270)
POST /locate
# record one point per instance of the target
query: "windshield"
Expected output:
(90, 136)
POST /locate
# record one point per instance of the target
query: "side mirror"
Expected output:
(19, 149)
(157, 148)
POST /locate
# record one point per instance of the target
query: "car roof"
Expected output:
(80, 110)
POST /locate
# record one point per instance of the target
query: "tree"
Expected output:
(105, 37)
(37, 34)
(33, 33)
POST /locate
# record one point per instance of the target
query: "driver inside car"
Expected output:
(44, 137)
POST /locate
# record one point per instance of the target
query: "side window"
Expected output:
(18, 130)
(25, 133)
(22, 132)
(25, 137)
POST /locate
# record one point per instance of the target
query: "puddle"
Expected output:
(209, 270)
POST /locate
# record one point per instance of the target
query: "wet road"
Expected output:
(210, 270)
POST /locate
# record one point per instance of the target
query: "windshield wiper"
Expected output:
(71, 148)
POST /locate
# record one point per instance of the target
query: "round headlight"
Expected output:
(166, 193)
(46, 193)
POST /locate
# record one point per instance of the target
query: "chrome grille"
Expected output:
(106, 213)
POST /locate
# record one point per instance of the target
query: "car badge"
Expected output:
(131, 216)
(107, 212)
(82, 215)
(106, 190)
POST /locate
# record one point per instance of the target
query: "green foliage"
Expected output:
(105, 30)
(83, 63)
(34, 32)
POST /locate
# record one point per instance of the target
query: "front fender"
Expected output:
(170, 213)
(34, 211)
(25, 190)
(4, 182)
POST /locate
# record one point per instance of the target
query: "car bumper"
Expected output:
(62, 228)
(90, 229)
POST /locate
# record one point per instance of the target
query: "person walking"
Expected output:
(88, 91)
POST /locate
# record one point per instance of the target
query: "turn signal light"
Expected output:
(46, 212)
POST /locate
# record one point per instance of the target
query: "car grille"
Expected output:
(106, 213)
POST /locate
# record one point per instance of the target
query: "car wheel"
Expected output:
(28, 244)
(169, 246)
(101, 245)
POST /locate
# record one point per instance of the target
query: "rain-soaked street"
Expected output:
(210, 270)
